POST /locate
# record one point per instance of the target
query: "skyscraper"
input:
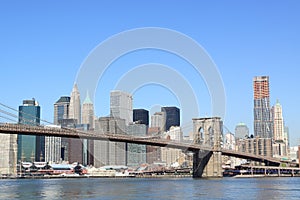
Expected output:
(241, 131)
(141, 115)
(88, 112)
(280, 139)
(61, 109)
(263, 125)
(106, 152)
(158, 119)
(121, 106)
(172, 116)
(75, 105)
(153, 152)
(136, 153)
(278, 122)
(30, 148)
(53, 145)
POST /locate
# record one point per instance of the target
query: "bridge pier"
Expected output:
(208, 132)
(207, 164)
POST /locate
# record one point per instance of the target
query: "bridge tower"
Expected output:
(208, 132)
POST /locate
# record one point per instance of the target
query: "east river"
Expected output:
(136, 188)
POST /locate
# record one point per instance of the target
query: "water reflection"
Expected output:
(226, 188)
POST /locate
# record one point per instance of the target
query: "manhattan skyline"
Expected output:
(43, 48)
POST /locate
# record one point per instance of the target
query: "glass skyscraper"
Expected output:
(30, 148)
(172, 116)
(141, 116)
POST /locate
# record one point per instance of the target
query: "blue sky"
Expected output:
(43, 45)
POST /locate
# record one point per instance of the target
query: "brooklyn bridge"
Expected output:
(206, 146)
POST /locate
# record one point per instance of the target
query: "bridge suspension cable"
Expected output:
(25, 114)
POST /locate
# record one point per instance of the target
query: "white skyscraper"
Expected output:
(121, 106)
(280, 148)
(158, 119)
(278, 122)
(88, 112)
(75, 106)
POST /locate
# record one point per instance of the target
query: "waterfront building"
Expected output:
(256, 146)
(153, 152)
(294, 154)
(141, 116)
(81, 150)
(68, 123)
(169, 155)
(172, 116)
(30, 148)
(121, 106)
(53, 145)
(106, 152)
(136, 153)
(241, 131)
(8, 152)
(75, 105)
(158, 119)
(88, 112)
(263, 123)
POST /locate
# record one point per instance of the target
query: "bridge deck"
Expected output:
(154, 141)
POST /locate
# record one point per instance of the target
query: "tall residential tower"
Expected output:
(263, 125)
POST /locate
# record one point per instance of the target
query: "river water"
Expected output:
(136, 188)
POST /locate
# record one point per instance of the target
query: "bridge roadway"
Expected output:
(154, 141)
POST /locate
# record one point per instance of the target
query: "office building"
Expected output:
(278, 123)
(136, 153)
(75, 105)
(61, 109)
(263, 123)
(121, 106)
(169, 155)
(257, 146)
(175, 133)
(30, 148)
(106, 152)
(158, 119)
(53, 145)
(172, 116)
(141, 116)
(280, 146)
(153, 152)
(65, 142)
(88, 112)
(241, 131)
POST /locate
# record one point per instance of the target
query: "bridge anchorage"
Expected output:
(208, 132)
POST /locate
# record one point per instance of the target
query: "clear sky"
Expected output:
(44, 43)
